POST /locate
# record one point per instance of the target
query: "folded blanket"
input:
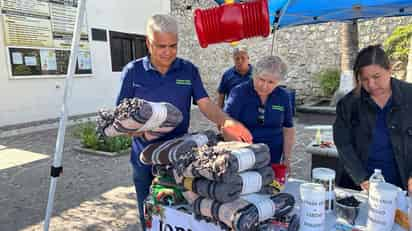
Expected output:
(138, 115)
(245, 213)
(168, 152)
(219, 164)
(258, 180)
(162, 170)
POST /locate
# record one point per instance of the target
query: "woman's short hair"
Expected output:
(270, 65)
(371, 55)
(161, 23)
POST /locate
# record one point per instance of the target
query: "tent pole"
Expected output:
(281, 13)
(276, 24)
(57, 168)
(274, 38)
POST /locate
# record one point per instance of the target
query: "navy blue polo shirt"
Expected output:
(380, 150)
(177, 86)
(231, 78)
(265, 122)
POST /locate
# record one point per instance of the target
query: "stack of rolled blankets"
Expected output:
(227, 183)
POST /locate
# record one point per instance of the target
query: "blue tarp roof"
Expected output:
(300, 12)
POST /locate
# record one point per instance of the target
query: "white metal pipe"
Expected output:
(64, 109)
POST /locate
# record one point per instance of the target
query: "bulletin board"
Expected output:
(38, 34)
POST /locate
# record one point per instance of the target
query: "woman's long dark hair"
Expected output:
(371, 55)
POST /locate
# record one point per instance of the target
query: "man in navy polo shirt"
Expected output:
(239, 73)
(265, 108)
(162, 77)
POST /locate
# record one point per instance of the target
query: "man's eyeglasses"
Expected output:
(261, 115)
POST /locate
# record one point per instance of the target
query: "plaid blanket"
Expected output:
(258, 180)
(223, 164)
(138, 115)
(245, 213)
(168, 152)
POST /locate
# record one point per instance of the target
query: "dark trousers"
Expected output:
(142, 178)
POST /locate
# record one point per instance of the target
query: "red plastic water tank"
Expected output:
(232, 22)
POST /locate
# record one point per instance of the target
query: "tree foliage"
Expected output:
(328, 80)
(398, 43)
(86, 132)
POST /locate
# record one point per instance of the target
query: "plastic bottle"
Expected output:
(318, 137)
(376, 177)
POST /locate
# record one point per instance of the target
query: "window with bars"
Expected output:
(126, 47)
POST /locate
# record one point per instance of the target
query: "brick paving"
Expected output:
(94, 193)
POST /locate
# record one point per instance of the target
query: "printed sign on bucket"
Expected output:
(382, 206)
(312, 211)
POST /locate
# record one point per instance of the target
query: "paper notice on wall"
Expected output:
(27, 31)
(27, 7)
(48, 60)
(17, 58)
(30, 60)
(41, 33)
(63, 18)
(84, 60)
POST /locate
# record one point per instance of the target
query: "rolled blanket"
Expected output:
(168, 152)
(162, 170)
(247, 212)
(218, 164)
(138, 115)
(258, 180)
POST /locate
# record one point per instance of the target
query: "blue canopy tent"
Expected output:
(286, 13)
(301, 12)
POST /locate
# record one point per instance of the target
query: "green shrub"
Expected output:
(86, 132)
(328, 80)
(397, 44)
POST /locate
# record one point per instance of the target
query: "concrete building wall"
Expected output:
(34, 99)
(306, 49)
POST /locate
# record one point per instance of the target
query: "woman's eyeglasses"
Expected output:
(261, 115)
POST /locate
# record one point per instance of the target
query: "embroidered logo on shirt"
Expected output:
(136, 85)
(183, 82)
(278, 107)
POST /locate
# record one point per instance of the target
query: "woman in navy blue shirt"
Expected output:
(373, 127)
(265, 108)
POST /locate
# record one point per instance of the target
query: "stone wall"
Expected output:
(307, 49)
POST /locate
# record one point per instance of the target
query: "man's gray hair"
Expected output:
(161, 23)
(239, 49)
(270, 65)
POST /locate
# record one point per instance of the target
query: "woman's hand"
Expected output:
(365, 185)
(286, 162)
(410, 186)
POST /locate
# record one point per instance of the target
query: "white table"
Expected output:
(292, 187)
(184, 221)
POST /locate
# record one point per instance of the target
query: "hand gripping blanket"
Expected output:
(245, 213)
(258, 180)
(223, 165)
(168, 152)
(138, 115)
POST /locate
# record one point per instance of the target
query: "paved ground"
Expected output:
(94, 193)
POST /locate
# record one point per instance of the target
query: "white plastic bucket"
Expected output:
(312, 208)
(382, 205)
(326, 177)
